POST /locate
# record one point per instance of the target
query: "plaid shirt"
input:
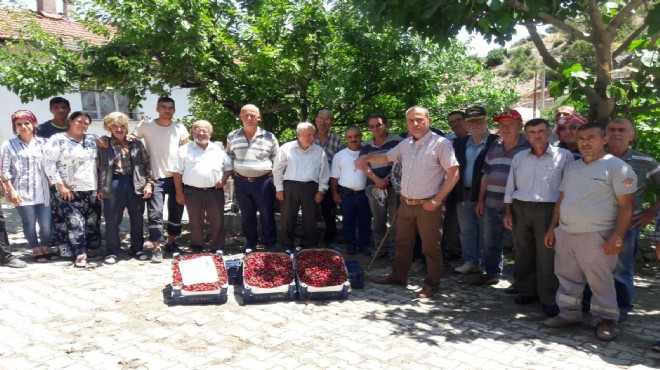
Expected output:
(122, 162)
(331, 146)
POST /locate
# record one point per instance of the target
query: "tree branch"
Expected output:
(624, 46)
(596, 22)
(549, 19)
(640, 109)
(623, 14)
(279, 108)
(548, 59)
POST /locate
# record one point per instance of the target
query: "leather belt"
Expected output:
(200, 189)
(415, 202)
(253, 179)
(348, 191)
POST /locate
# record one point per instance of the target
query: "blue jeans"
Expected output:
(471, 231)
(356, 212)
(493, 232)
(122, 197)
(625, 269)
(162, 187)
(31, 216)
(253, 197)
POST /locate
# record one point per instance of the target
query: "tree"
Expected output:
(593, 21)
(289, 57)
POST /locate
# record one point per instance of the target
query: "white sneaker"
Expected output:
(467, 267)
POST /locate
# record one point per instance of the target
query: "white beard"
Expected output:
(202, 141)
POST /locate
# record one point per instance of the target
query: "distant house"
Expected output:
(96, 103)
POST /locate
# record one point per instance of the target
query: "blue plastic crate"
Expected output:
(173, 296)
(310, 293)
(234, 271)
(355, 274)
(253, 294)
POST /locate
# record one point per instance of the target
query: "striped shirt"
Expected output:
(496, 166)
(537, 179)
(424, 164)
(252, 158)
(292, 163)
(23, 165)
(331, 146)
(647, 170)
(381, 170)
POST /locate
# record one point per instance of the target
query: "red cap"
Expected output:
(509, 113)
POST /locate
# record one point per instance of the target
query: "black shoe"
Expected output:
(196, 250)
(486, 280)
(173, 248)
(623, 316)
(451, 256)
(551, 310)
(525, 299)
(512, 289)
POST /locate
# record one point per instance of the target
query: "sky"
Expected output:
(480, 47)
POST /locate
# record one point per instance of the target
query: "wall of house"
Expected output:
(9, 103)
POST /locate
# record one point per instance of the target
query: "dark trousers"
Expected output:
(299, 195)
(155, 204)
(413, 220)
(252, 197)
(356, 213)
(81, 217)
(535, 263)
(5, 248)
(451, 241)
(205, 204)
(329, 211)
(121, 197)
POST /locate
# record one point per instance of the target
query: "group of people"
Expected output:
(574, 208)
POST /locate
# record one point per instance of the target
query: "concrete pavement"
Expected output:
(113, 317)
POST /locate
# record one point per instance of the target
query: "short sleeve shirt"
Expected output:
(162, 144)
(590, 191)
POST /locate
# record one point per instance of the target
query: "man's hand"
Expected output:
(549, 239)
(507, 220)
(429, 206)
(99, 195)
(146, 193)
(382, 183)
(613, 245)
(361, 162)
(103, 141)
(337, 198)
(318, 198)
(644, 218)
(220, 185)
(279, 195)
(479, 209)
(181, 199)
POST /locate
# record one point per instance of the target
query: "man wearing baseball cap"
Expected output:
(491, 195)
(566, 131)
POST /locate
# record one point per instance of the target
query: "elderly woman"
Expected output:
(125, 181)
(70, 163)
(23, 175)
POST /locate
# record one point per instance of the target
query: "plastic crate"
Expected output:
(334, 292)
(355, 274)
(254, 294)
(200, 270)
(234, 271)
(174, 296)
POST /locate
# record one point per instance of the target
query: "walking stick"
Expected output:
(387, 232)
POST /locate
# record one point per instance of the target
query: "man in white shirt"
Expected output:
(162, 137)
(347, 185)
(301, 178)
(532, 189)
(200, 174)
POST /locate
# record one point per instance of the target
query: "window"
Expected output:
(99, 103)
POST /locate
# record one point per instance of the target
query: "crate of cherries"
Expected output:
(321, 274)
(268, 276)
(197, 279)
